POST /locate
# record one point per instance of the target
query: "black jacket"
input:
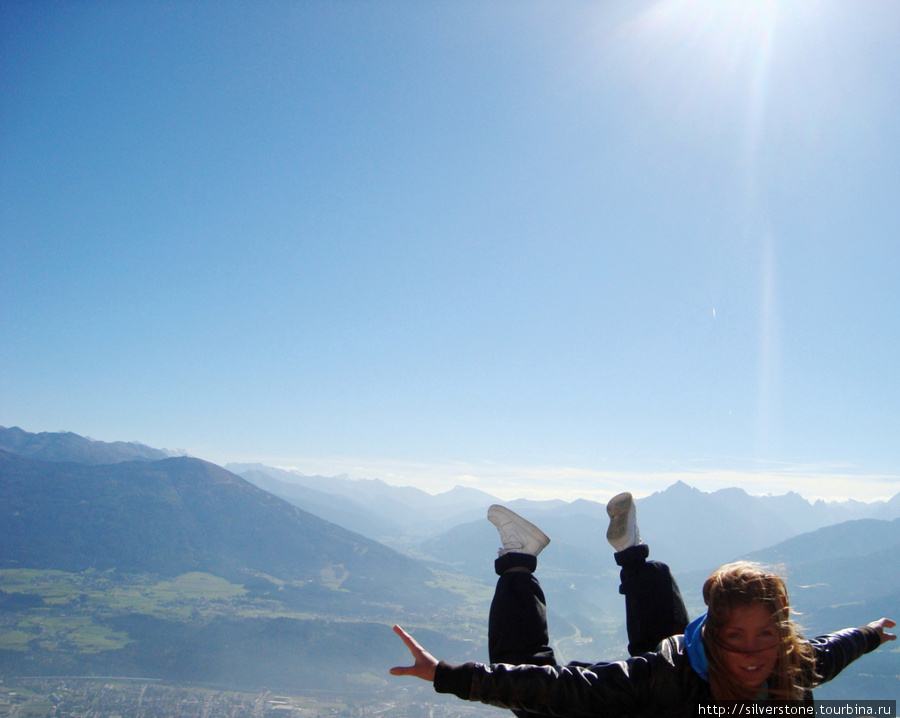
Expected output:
(660, 683)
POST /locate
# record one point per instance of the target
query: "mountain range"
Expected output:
(178, 515)
(66, 446)
(355, 555)
(93, 556)
(394, 515)
(723, 524)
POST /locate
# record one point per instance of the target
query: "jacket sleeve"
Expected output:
(552, 690)
(643, 683)
(836, 651)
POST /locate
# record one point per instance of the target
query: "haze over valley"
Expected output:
(118, 559)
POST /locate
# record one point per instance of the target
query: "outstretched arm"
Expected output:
(879, 627)
(425, 663)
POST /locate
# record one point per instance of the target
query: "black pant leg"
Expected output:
(654, 608)
(517, 625)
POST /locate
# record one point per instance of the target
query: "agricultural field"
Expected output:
(59, 609)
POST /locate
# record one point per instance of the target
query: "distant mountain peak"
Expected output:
(679, 488)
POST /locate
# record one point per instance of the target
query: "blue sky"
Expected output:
(542, 249)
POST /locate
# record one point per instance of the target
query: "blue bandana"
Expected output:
(693, 641)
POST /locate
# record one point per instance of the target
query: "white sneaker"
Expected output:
(623, 530)
(516, 534)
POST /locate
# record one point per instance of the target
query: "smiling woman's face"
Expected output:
(750, 641)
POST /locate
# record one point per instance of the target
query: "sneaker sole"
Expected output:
(618, 508)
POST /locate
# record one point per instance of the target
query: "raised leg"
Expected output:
(654, 608)
(517, 624)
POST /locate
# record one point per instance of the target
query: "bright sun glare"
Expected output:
(710, 53)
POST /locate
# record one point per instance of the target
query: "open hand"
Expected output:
(424, 664)
(880, 625)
